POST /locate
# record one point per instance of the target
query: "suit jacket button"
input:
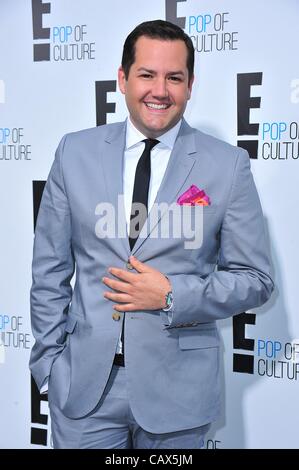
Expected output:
(129, 266)
(116, 316)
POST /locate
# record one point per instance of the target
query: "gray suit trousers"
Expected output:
(111, 425)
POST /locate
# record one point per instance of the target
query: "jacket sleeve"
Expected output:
(242, 280)
(52, 269)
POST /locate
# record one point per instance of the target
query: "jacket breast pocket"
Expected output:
(198, 338)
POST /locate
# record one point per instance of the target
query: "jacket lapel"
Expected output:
(178, 169)
(113, 167)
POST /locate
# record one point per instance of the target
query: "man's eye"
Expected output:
(146, 75)
(175, 79)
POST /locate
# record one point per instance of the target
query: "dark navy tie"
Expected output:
(141, 188)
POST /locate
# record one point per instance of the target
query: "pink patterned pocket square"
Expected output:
(194, 197)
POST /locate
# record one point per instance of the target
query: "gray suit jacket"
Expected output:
(172, 368)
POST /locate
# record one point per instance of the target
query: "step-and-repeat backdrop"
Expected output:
(58, 68)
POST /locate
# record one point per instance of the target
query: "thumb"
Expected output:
(138, 265)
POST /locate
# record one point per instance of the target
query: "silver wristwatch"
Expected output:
(168, 301)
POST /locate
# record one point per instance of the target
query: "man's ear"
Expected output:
(121, 80)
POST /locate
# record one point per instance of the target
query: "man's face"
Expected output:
(157, 88)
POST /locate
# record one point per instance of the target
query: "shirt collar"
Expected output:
(134, 136)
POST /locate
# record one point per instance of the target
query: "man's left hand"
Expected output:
(144, 290)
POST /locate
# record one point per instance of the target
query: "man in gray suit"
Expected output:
(131, 354)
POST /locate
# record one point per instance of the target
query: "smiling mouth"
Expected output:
(159, 107)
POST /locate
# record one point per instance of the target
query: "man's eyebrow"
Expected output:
(144, 69)
(176, 72)
(152, 72)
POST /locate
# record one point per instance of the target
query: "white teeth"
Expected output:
(156, 106)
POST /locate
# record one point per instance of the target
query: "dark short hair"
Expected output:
(156, 29)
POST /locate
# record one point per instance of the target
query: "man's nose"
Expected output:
(159, 88)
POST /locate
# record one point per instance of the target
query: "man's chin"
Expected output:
(155, 133)
(154, 128)
(159, 129)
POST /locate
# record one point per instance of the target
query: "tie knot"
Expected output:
(150, 143)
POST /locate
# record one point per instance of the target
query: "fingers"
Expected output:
(117, 285)
(117, 297)
(131, 277)
(125, 307)
(122, 274)
(139, 266)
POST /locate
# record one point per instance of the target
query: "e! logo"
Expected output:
(172, 15)
(243, 362)
(102, 106)
(40, 51)
(245, 103)
(38, 434)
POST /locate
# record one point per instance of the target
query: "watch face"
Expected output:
(169, 298)
(168, 301)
